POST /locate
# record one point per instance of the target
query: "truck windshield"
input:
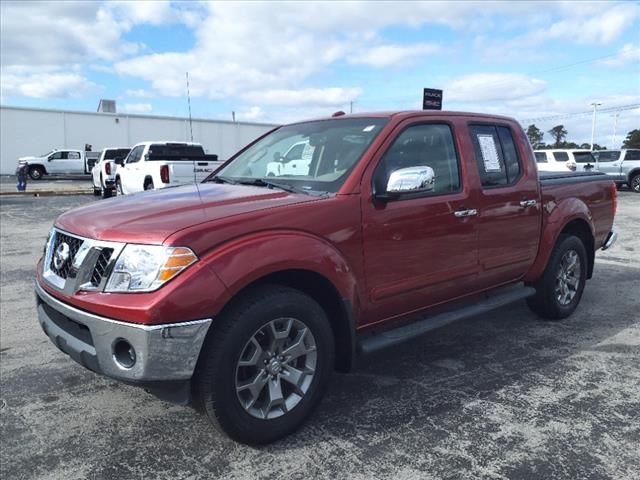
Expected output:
(313, 156)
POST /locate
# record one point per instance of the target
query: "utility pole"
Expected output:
(189, 103)
(351, 107)
(595, 106)
(615, 129)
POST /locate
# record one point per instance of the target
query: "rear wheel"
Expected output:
(266, 365)
(559, 290)
(36, 173)
(105, 192)
(635, 183)
(148, 185)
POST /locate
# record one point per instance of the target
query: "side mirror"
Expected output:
(277, 157)
(409, 181)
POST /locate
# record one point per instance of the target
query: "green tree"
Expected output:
(633, 139)
(535, 136)
(558, 133)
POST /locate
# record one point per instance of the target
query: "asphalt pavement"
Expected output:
(498, 396)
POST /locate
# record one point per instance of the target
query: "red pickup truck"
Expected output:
(244, 292)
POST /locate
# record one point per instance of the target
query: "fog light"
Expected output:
(124, 354)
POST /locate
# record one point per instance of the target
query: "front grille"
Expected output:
(74, 245)
(101, 266)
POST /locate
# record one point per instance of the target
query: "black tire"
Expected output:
(216, 374)
(619, 186)
(635, 183)
(546, 302)
(119, 187)
(36, 173)
(104, 191)
(96, 192)
(148, 185)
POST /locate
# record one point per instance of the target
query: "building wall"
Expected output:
(25, 131)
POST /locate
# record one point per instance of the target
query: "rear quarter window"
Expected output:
(175, 152)
(541, 157)
(584, 157)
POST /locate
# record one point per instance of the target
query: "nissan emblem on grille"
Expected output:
(61, 255)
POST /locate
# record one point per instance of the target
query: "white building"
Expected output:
(34, 131)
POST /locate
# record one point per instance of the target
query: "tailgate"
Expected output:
(182, 172)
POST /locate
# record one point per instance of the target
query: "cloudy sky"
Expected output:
(278, 62)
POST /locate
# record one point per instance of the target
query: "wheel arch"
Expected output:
(632, 173)
(339, 310)
(38, 166)
(569, 217)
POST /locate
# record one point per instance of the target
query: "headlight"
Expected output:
(143, 268)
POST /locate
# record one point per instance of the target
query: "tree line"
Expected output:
(559, 134)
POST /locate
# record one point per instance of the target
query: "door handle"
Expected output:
(528, 203)
(466, 213)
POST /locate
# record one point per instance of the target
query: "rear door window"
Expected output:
(561, 156)
(496, 155)
(632, 155)
(584, 157)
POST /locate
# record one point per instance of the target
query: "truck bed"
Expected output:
(561, 178)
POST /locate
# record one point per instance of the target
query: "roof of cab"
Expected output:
(402, 114)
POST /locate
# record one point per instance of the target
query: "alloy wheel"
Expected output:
(568, 277)
(276, 368)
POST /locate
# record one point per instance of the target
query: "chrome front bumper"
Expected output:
(610, 240)
(165, 352)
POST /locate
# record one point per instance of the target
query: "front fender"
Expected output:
(244, 260)
(557, 217)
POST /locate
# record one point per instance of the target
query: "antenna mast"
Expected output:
(189, 103)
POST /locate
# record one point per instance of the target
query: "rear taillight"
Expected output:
(164, 173)
(614, 198)
(107, 168)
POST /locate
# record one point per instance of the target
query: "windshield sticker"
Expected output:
(369, 128)
(489, 153)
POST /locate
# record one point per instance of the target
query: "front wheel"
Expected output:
(559, 290)
(635, 183)
(119, 190)
(36, 173)
(265, 365)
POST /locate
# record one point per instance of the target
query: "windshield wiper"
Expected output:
(260, 182)
(221, 179)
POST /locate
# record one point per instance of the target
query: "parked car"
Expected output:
(57, 162)
(246, 291)
(155, 165)
(104, 171)
(294, 162)
(623, 166)
(555, 161)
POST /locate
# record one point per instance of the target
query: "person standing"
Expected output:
(21, 173)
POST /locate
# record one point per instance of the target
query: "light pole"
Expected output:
(615, 129)
(593, 122)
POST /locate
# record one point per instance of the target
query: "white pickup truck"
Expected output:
(154, 165)
(60, 162)
(103, 172)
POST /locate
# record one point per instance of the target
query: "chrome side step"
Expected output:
(372, 343)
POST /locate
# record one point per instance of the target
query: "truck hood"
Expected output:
(31, 159)
(150, 217)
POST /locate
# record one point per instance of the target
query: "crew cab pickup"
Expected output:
(103, 173)
(622, 166)
(59, 162)
(245, 291)
(154, 165)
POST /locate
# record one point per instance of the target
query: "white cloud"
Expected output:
(589, 23)
(479, 87)
(139, 92)
(252, 114)
(44, 82)
(393, 55)
(324, 97)
(628, 54)
(137, 108)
